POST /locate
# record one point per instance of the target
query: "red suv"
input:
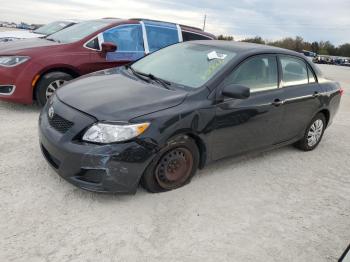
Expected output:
(33, 69)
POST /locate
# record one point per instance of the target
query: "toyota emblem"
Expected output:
(51, 112)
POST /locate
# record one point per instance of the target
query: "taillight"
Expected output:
(341, 91)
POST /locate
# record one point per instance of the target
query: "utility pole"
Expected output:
(205, 21)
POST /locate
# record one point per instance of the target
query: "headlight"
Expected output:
(108, 133)
(10, 61)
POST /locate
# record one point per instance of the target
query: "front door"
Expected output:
(130, 46)
(242, 125)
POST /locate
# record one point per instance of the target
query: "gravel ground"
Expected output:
(282, 205)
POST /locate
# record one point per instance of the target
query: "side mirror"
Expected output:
(236, 91)
(108, 47)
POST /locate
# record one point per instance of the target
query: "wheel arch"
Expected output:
(64, 69)
(326, 113)
(202, 148)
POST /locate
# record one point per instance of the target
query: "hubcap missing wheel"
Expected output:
(174, 168)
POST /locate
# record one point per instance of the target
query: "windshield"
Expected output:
(77, 32)
(52, 28)
(187, 64)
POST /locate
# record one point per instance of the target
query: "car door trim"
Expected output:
(144, 35)
(179, 33)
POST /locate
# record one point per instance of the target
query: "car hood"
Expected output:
(20, 46)
(113, 96)
(19, 34)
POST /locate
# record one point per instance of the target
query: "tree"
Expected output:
(326, 48)
(315, 47)
(256, 40)
(298, 44)
(344, 50)
(226, 38)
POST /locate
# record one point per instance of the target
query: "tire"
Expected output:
(173, 166)
(307, 143)
(48, 84)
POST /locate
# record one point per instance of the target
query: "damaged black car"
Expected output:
(158, 120)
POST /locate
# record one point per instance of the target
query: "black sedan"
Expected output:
(160, 119)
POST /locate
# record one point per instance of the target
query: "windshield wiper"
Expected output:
(136, 73)
(53, 40)
(163, 82)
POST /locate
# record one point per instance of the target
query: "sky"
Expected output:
(314, 20)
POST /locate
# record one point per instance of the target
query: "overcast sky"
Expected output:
(314, 20)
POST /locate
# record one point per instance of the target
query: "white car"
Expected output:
(43, 31)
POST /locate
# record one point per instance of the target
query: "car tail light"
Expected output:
(341, 91)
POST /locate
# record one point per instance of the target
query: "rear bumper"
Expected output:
(114, 168)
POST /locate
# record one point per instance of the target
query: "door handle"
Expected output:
(277, 102)
(316, 94)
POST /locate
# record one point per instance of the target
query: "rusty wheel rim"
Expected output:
(174, 168)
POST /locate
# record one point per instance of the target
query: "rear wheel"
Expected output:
(173, 167)
(48, 85)
(313, 134)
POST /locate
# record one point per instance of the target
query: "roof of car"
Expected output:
(145, 19)
(107, 20)
(72, 20)
(183, 27)
(246, 47)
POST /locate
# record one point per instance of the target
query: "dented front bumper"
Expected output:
(114, 168)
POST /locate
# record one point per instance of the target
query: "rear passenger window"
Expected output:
(258, 73)
(311, 76)
(294, 71)
(187, 36)
(160, 35)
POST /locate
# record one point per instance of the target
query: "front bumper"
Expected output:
(114, 168)
(20, 78)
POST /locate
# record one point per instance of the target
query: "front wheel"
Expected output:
(48, 85)
(313, 134)
(173, 166)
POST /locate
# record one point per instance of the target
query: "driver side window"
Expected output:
(129, 42)
(259, 73)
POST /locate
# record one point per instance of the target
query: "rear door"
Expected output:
(300, 96)
(161, 34)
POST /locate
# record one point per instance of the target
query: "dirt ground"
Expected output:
(282, 205)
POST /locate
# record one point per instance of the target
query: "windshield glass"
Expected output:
(187, 64)
(52, 28)
(77, 32)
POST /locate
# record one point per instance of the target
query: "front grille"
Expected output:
(59, 123)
